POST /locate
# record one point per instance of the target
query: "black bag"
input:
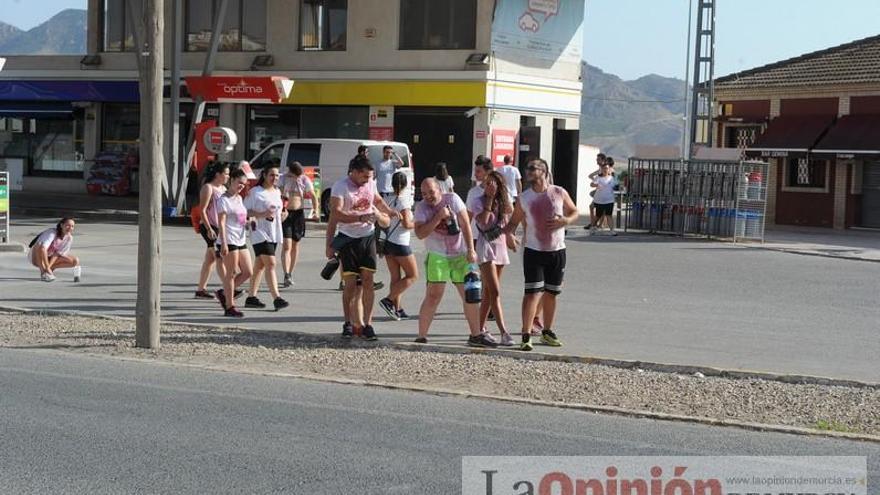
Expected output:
(491, 233)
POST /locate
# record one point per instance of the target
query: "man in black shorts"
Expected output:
(355, 208)
(544, 210)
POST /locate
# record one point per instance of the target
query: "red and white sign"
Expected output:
(235, 89)
(381, 123)
(220, 140)
(503, 143)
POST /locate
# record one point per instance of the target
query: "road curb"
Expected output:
(12, 247)
(679, 369)
(810, 253)
(610, 410)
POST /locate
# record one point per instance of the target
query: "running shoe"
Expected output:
(389, 308)
(221, 297)
(489, 336)
(279, 303)
(550, 338)
(481, 341)
(254, 302)
(506, 340)
(347, 330)
(287, 281)
(491, 316)
(613, 233)
(526, 344)
(368, 333)
(237, 293)
(421, 340)
(232, 312)
(378, 285)
(203, 294)
(401, 314)
(47, 277)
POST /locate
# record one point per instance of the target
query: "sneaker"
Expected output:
(489, 337)
(389, 308)
(254, 302)
(506, 340)
(232, 312)
(47, 277)
(279, 303)
(421, 340)
(526, 344)
(237, 293)
(347, 330)
(550, 338)
(221, 296)
(613, 233)
(287, 282)
(491, 316)
(77, 274)
(368, 333)
(481, 341)
(401, 314)
(203, 294)
(592, 230)
(341, 286)
(378, 285)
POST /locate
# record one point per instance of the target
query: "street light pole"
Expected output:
(152, 169)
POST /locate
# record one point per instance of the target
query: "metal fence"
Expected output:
(697, 197)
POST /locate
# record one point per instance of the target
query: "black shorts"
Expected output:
(294, 226)
(604, 209)
(232, 247)
(392, 249)
(204, 232)
(265, 248)
(356, 254)
(544, 270)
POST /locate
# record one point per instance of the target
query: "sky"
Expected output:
(632, 38)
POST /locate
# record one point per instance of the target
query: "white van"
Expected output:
(329, 159)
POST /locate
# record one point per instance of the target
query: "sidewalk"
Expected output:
(861, 245)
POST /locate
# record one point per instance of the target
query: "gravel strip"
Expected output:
(851, 409)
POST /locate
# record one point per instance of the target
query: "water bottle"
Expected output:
(330, 268)
(452, 224)
(473, 286)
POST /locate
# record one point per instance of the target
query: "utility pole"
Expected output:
(152, 169)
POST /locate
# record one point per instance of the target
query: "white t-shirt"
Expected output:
(439, 241)
(398, 234)
(446, 186)
(384, 171)
(511, 175)
(356, 200)
(604, 189)
(236, 218)
(54, 245)
(538, 208)
(259, 199)
(474, 195)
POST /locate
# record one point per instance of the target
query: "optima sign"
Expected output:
(234, 89)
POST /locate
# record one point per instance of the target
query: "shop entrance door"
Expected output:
(437, 135)
(529, 146)
(871, 195)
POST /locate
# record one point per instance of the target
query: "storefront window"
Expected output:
(433, 25)
(121, 127)
(267, 124)
(118, 36)
(803, 172)
(323, 24)
(244, 29)
(52, 147)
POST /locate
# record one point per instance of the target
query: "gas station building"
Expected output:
(452, 79)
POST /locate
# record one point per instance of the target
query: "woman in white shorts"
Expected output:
(231, 242)
(50, 250)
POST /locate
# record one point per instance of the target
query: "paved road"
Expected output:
(77, 424)
(631, 297)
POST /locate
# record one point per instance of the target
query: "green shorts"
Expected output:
(439, 268)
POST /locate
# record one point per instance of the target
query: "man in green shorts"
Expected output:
(442, 222)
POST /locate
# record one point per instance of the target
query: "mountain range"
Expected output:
(616, 115)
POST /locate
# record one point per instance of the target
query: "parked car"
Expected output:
(325, 161)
